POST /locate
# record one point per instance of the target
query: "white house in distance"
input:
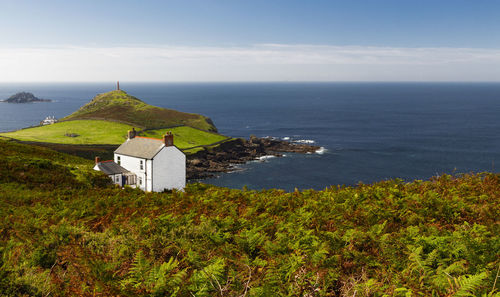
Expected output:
(147, 163)
(49, 121)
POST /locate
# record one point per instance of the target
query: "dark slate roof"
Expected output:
(110, 167)
(140, 147)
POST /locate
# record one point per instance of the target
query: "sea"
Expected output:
(367, 132)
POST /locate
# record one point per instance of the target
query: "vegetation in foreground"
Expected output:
(64, 230)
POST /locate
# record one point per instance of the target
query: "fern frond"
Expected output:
(469, 284)
(140, 265)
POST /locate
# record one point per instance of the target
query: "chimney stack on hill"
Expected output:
(131, 133)
(168, 139)
(97, 160)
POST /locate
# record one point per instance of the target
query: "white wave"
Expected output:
(321, 150)
(265, 158)
(286, 138)
(306, 141)
(270, 137)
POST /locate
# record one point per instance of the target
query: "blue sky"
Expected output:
(373, 38)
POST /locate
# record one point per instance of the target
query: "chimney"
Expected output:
(118, 85)
(131, 133)
(168, 139)
(97, 159)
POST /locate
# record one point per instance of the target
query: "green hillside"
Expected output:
(108, 117)
(106, 132)
(65, 231)
(187, 137)
(75, 132)
(122, 107)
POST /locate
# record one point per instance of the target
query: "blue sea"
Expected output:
(368, 131)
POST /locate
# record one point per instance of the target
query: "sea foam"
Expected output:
(321, 150)
(265, 158)
(305, 141)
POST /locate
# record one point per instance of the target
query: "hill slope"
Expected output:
(119, 106)
(75, 132)
(66, 232)
(91, 132)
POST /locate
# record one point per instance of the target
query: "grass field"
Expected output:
(106, 132)
(90, 132)
(186, 137)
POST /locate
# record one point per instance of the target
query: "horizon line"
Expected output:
(256, 81)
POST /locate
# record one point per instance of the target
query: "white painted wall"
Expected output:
(169, 169)
(149, 175)
(133, 164)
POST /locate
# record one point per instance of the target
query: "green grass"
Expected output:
(89, 131)
(121, 107)
(106, 132)
(186, 137)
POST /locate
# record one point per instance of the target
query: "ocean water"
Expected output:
(368, 131)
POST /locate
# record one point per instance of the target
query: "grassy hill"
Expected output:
(65, 231)
(122, 107)
(107, 118)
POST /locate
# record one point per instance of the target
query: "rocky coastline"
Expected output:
(209, 161)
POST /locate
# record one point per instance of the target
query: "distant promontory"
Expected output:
(24, 97)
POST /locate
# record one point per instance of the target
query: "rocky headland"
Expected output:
(206, 163)
(24, 97)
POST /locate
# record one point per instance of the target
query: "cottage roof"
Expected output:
(110, 167)
(140, 147)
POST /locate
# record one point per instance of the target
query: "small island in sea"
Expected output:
(24, 97)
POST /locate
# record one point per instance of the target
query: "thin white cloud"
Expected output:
(262, 62)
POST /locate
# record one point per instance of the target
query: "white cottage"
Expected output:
(147, 163)
(49, 121)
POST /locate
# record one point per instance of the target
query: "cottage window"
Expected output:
(117, 178)
(142, 165)
(140, 181)
(118, 160)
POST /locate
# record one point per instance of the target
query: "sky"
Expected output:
(258, 40)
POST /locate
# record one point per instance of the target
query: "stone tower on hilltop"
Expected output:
(117, 85)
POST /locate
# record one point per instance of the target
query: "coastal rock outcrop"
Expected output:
(206, 163)
(24, 97)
